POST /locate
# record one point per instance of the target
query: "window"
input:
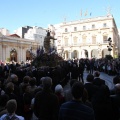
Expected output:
(75, 40)
(93, 39)
(75, 28)
(84, 27)
(93, 26)
(84, 39)
(105, 37)
(66, 30)
(104, 25)
(66, 41)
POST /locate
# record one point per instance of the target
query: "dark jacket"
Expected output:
(75, 110)
(98, 82)
(46, 105)
(91, 89)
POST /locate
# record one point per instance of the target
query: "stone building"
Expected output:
(87, 38)
(14, 48)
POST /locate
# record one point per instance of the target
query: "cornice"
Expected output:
(88, 20)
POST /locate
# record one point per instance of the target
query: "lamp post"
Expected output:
(109, 45)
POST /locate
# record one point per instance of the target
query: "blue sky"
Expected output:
(17, 13)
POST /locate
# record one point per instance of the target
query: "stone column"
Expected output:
(4, 53)
(89, 54)
(20, 53)
(1, 52)
(69, 55)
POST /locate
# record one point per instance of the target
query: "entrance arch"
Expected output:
(94, 53)
(13, 55)
(75, 54)
(66, 56)
(84, 53)
(105, 52)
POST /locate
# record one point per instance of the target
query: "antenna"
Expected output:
(108, 10)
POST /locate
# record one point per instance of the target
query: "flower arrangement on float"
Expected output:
(50, 59)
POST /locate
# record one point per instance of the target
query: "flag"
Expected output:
(81, 13)
(86, 13)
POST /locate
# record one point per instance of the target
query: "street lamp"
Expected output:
(109, 45)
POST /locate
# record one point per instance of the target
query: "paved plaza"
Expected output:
(108, 79)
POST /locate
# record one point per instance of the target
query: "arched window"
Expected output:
(75, 54)
(28, 56)
(13, 55)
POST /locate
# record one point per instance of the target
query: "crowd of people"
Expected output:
(36, 93)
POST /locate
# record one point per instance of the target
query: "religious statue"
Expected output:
(47, 45)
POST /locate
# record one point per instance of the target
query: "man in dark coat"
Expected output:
(97, 80)
(90, 87)
(75, 109)
(46, 105)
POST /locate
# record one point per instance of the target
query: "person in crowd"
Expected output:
(85, 98)
(26, 102)
(9, 90)
(11, 108)
(26, 80)
(116, 80)
(81, 71)
(92, 66)
(46, 104)
(97, 80)
(1, 88)
(102, 104)
(75, 109)
(116, 101)
(32, 104)
(3, 101)
(67, 93)
(59, 93)
(74, 71)
(33, 85)
(14, 80)
(90, 87)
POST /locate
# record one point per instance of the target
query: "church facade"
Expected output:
(88, 38)
(14, 48)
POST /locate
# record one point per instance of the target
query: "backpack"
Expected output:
(13, 118)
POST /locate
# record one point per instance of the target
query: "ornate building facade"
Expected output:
(14, 48)
(87, 38)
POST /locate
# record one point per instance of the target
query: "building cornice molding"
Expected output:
(88, 20)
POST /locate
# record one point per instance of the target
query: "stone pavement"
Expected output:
(108, 80)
